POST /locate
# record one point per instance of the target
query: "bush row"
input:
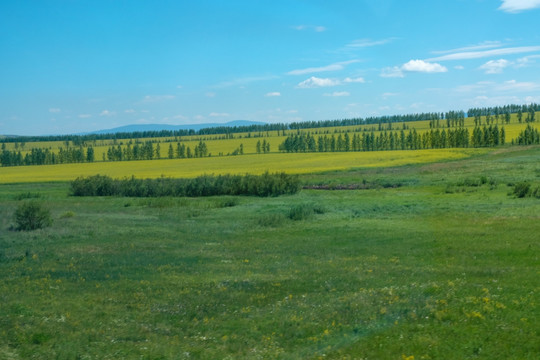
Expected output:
(207, 185)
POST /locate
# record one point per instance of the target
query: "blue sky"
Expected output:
(75, 66)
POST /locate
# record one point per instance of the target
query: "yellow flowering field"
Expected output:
(298, 163)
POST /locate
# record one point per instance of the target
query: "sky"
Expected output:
(76, 66)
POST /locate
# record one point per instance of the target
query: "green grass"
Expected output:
(443, 266)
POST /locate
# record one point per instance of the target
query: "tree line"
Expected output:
(485, 136)
(526, 111)
(263, 185)
(529, 136)
(39, 156)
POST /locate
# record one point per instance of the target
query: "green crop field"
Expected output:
(431, 257)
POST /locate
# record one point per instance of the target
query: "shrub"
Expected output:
(67, 215)
(271, 220)
(31, 216)
(207, 185)
(521, 189)
(27, 195)
(304, 211)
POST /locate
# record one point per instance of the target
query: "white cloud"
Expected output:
(85, 116)
(515, 6)
(423, 66)
(355, 80)
(273, 94)
(129, 111)
(179, 86)
(314, 82)
(157, 98)
(215, 114)
(107, 113)
(392, 72)
(180, 117)
(338, 94)
(210, 94)
(412, 66)
(320, 28)
(332, 67)
(495, 66)
(487, 53)
(459, 67)
(54, 110)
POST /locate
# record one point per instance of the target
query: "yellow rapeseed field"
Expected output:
(296, 163)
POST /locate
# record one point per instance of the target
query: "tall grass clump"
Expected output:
(207, 185)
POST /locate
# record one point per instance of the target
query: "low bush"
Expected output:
(207, 185)
(27, 195)
(32, 215)
(522, 189)
(304, 211)
(271, 220)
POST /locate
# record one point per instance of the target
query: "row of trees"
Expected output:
(40, 156)
(529, 136)
(393, 140)
(147, 151)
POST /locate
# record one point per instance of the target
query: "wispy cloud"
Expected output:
(332, 67)
(487, 53)
(129, 111)
(316, 28)
(157, 98)
(273, 94)
(107, 113)
(482, 46)
(85, 116)
(516, 6)
(362, 43)
(495, 66)
(54, 110)
(216, 114)
(315, 82)
(338, 94)
(354, 80)
(506, 86)
(392, 72)
(244, 81)
(513, 85)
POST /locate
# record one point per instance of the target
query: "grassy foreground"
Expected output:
(430, 261)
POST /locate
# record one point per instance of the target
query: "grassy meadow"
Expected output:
(430, 259)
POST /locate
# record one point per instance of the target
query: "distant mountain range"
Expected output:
(159, 127)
